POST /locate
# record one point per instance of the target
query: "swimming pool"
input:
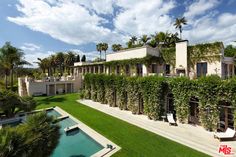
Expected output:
(79, 142)
(75, 143)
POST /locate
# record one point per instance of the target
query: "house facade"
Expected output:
(145, 61)
(48, 86)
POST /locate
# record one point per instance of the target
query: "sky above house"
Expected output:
(42, 27)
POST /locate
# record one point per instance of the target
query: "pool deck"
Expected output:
(195, 137)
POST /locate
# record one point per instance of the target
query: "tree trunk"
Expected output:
(11, 74)
(105, 56)
(6, 80)
(100, 55)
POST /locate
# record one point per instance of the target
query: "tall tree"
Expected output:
(116, 47)
(44, 64)
(83, 59)
(78, 58)
(144, 39)
(99, 49)
(69, 61)
(133, 40)
(10, 58)
(104, 48)
(53, 65)
(230, 51)
(179, 22)
(60, 61)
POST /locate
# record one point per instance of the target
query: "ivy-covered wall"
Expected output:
(201, 52)
(147, 95)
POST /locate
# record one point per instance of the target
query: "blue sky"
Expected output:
(43, 27)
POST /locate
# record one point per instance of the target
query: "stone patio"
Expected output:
(195, 137)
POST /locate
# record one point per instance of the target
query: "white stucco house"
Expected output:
(223, 66)
(50, 86)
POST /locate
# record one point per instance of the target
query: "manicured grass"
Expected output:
(135, 142)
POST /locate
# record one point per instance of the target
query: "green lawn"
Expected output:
(134, 141)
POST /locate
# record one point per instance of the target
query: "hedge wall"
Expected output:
(148, 95)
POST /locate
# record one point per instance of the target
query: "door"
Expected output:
(226, 117)
(194, 111)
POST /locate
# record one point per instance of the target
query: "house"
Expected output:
(192, 61)
(50, 86)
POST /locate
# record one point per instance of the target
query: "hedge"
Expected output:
(148, 95)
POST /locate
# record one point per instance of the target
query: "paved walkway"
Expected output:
(193, 136)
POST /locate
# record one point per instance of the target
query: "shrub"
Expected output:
(154, 90)
(121, 92)
(133, 92)
(183, 89)
(209, 97)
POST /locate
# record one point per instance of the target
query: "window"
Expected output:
(127, 70)
(154, 68)
(101, 68)
(201, 69)
(139, 69)
(118, 70)
(167, 69)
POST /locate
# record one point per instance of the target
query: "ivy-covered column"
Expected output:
(208, 93)
(182, 89)
(133, 94)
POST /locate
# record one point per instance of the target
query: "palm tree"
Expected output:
(104, 48)
(116, 47)
(44, 64)
(69, 60)
(10, 58)
(152, 43)
(38, 136)
(179, 22)
(133, 40)
(60, 61)
(144, 39)
(99, 49)
(52, 60)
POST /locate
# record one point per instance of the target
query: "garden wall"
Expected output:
(147, 95)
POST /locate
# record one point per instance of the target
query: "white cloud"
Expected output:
(200, 7)
(208, 29)
(29, 47)
(140, 17)
(67, 21)
(83, 21)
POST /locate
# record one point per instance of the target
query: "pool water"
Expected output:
(53, 113)
(76, 143)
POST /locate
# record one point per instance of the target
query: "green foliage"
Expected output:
(154, 91)
(133, 92)
(110, 91)
(183, 89)
(11, 103)
(121, 93)
(230, 51)
(148, 95)
(209, 89)
(39, 136)
(145, 60)
(168, 55)
(207, 52)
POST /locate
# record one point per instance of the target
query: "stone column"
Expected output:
(144, 70)
(228, 72)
